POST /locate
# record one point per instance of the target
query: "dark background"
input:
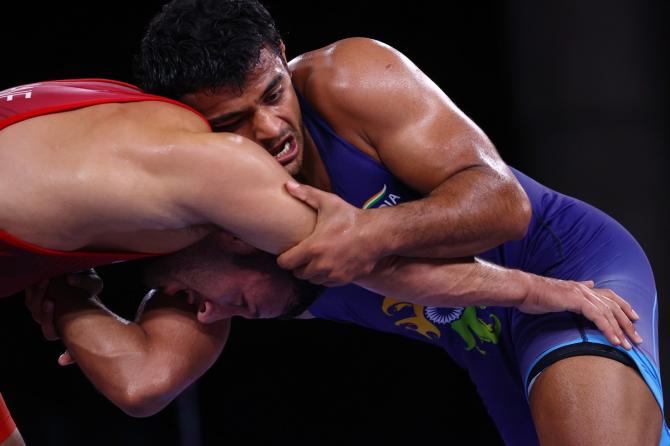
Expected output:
(573, 93)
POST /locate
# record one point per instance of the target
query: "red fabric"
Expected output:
(43, 98)
(7, 425)
(23, 264)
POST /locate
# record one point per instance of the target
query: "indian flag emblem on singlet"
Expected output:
(442, 315)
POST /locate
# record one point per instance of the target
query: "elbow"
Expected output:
(139, 405)
(142, 399)
(521, 221)
(519, 212)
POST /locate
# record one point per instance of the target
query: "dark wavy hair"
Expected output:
(203, 45)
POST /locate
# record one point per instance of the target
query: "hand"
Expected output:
(41, 308)
(608, 311)
(40, 299)
(65, 359)
(338, 251)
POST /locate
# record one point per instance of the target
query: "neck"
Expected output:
(313, 171)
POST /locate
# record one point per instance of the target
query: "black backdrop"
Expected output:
(572, 93)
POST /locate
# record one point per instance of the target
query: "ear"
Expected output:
(205, 313)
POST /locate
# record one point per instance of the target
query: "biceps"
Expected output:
(180, 345)
(425, 151)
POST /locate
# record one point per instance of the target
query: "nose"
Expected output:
(266, 125)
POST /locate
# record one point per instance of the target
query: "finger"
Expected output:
(92, 284)
(623, 303)
(305, 272)
(588, 283)
(616, 315)
(34, 295)
(65, 359)
(609, 314)
(590, 311)
(626, 324)
(307, 194)
(294, 258)
(48, 329)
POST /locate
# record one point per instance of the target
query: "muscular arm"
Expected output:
(140, 366)
(267, 217)
(236, 185)
(383, 103)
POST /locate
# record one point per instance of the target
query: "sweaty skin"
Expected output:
(472, 202)
(129, 177)
(151, 177)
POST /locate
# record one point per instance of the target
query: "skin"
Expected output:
(72, 198)
(222, 278)
(472, 201)
(570, 407)
(424, 140)
(173, 191)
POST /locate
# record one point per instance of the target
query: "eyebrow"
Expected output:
(217, 120)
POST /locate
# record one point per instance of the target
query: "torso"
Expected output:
(72, 180)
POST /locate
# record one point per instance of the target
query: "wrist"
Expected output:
(376, 232)
(525, 286)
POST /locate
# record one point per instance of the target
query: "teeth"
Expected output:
(285, 150)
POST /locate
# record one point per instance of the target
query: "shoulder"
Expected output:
(347, 67)
(350, 81)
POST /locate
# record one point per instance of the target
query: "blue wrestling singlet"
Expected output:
(499, 347)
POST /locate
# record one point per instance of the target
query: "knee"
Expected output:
(596, 401)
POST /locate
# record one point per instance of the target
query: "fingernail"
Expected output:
(617, 341)
(637, 316)
(637, 335)
(627, 345)
(291, 183)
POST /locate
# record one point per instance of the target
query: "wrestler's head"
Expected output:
(226, 59)
(225, 277)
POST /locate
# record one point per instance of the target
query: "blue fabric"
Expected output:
(566, 239)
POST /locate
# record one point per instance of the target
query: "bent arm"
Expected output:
(472, 201)
(142, 366)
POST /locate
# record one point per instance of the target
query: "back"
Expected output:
(73, 175)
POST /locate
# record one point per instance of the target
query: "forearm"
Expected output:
(456, 283)
(107, 350)
(473, 211)
(135, 365)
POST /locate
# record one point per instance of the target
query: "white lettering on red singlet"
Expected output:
(24, 91)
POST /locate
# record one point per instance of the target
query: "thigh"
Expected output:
(592, 400)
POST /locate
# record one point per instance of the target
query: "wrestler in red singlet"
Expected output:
(21, 263)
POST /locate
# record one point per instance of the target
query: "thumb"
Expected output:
(306, 194)
(65, 359)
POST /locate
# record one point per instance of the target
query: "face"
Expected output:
(225, 277)
(266, 110)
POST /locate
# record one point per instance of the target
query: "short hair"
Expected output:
(203, 45)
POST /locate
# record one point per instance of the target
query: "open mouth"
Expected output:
(286, 151)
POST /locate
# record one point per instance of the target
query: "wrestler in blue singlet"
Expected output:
(503, 349)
